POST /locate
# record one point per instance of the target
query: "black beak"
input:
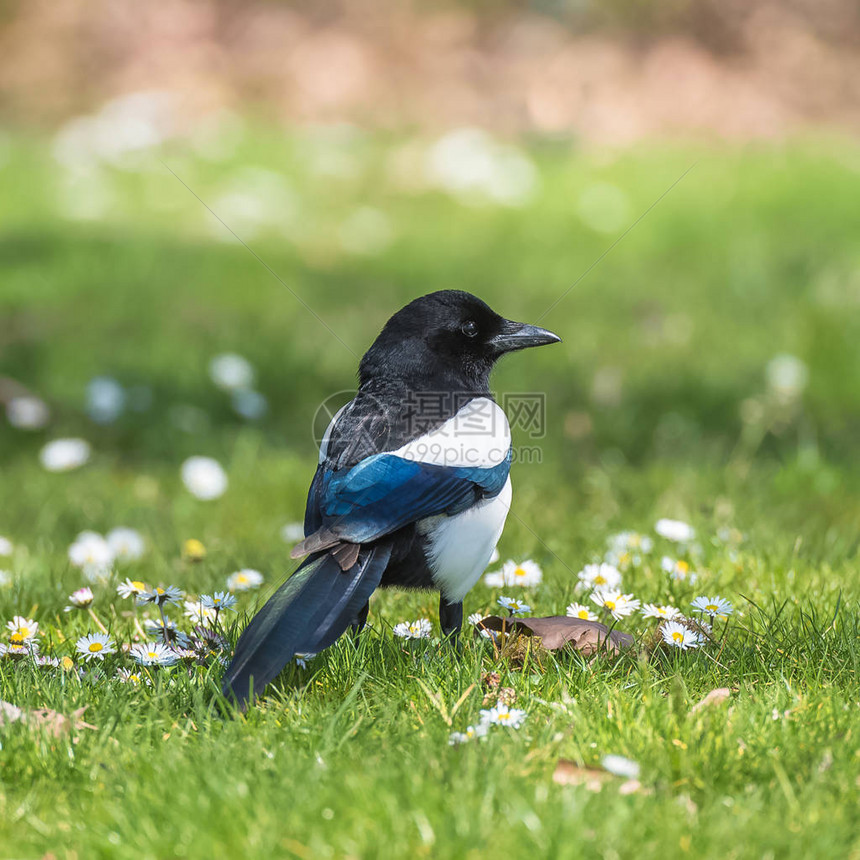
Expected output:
(516, 335)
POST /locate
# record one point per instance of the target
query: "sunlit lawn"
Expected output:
(658, 404)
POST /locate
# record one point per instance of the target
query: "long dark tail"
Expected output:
(306, 614)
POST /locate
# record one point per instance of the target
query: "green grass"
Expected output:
(753, 254)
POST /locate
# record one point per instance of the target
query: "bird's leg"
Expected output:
(360, 620)
(450, 618)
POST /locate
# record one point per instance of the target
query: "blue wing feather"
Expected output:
(385, 492)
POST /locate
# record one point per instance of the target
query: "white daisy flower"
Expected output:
(161, 596)
(787, 376)
(63, 455)
(231, 371)
(24, 628)
(419, 629)
(167, 634)
(18, 647)
(618, 605)
(580, 610)
(597, 576)
(198, 612)
(679, 636)
(153, 654)
(95, 646)
(80, 599)
(476, 618)
(136, 679)
(106, 399)
(221, 600)
(653, 610)
(678, 569)
(515, 607)
(502, 715)
(204, 478)
(92, 554)
(249, 404)
(131, 588)
(5, 546)
(471, 733)
(126, 544)
(302, 660)
(292, 532)
(713, 606)
(526, 574)
(675, 530)
(621, 766)
(244, 580)
(630, 542)
(27, 412)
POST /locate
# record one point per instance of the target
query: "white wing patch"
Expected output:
(459, 547)
(478, 435)
(327, 434)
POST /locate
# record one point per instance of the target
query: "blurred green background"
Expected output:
(668, 186)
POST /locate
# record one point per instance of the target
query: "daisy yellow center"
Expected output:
(503, 717)
(17, 638)
(583, 613)
(151, 654)
(712, 607)
(242, 578)
(138, 586)
(599, 580)
(159, 590)
(682, 567)
(95, 647)
(520, 572)
(609, 604)
(625, 558)
(678, 636)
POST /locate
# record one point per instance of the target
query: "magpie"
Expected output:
(412, 487)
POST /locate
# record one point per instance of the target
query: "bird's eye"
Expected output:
(469, 328)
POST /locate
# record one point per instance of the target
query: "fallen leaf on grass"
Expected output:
(593, 778)
(715, 697)
(560, 631)
(53, 722)
(569, 773)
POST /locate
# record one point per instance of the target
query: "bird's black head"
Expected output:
(447, 340)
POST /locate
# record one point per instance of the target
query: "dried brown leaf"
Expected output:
(715, 697)
(53, 722)
(570, 773)
(560, 631)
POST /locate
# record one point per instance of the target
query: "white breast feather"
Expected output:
(478, 435)
(459, 547)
